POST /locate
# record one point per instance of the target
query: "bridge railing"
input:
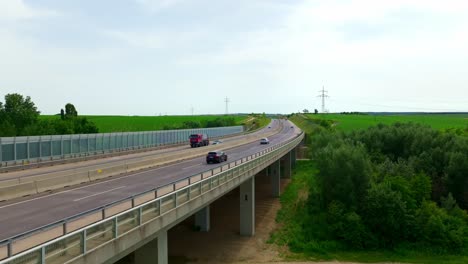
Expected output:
(62, 241)
(33, 149)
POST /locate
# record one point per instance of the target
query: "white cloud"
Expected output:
(157, 5)
(162, 39)
(18, 9)
(141, 40)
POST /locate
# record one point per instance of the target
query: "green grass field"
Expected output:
(353, 122)
(107, 124)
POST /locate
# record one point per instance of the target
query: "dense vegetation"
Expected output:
(392, 188)
(20, 117)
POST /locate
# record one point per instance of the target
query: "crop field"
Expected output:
(353, 122)
(107, 124)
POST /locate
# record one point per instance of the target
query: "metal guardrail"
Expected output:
(25, 150)
(64, 240)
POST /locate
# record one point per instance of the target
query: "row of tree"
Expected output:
(19, 117)
(388, 186)
(218, 122)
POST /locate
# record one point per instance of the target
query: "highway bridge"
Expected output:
(127, 204)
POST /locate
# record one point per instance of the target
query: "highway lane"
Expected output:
(70, 167)
(40, 211)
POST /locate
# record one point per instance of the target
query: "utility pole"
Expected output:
(323, 95)
(191, 109)
(227, 101)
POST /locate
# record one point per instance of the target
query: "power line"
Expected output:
(323, 95)
(227, 101)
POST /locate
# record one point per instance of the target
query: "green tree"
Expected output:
(457, 177)
(436, 228)
(344, 174)
(17, 113)
(385, 213)
(70, 111)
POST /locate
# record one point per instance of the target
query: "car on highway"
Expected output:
(216, 142)
(216, 157)
(264, 141)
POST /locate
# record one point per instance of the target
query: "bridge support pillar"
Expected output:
(163, 256)
(202, 219)
(287, 165)
(275, 178)
(293, 157)
(154, 252)
(247, 207)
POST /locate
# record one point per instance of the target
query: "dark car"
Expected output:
(216, 157)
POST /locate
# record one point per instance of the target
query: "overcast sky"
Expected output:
(151, 57)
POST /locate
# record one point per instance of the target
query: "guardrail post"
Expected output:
(43, 252)
(159, 207)
(65, 227)
(116, 227)
(140, 215)
(83, 241)
(10, 248)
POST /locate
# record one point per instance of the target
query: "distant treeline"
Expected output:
(218, 122)
(353, 113)
(19, 117)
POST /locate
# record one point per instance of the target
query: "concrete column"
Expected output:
(247, 207)
(154, 252)
(275, 178)
(293, 157)
(148, 253)
(287, 165)
(163, 256)
(202, 219)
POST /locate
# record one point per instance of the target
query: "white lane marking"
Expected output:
(86, 197)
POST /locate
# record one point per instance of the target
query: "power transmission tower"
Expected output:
(227, 101)
(191, 109)
(323, 95)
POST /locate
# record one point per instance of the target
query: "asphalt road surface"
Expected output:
(26, 215)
